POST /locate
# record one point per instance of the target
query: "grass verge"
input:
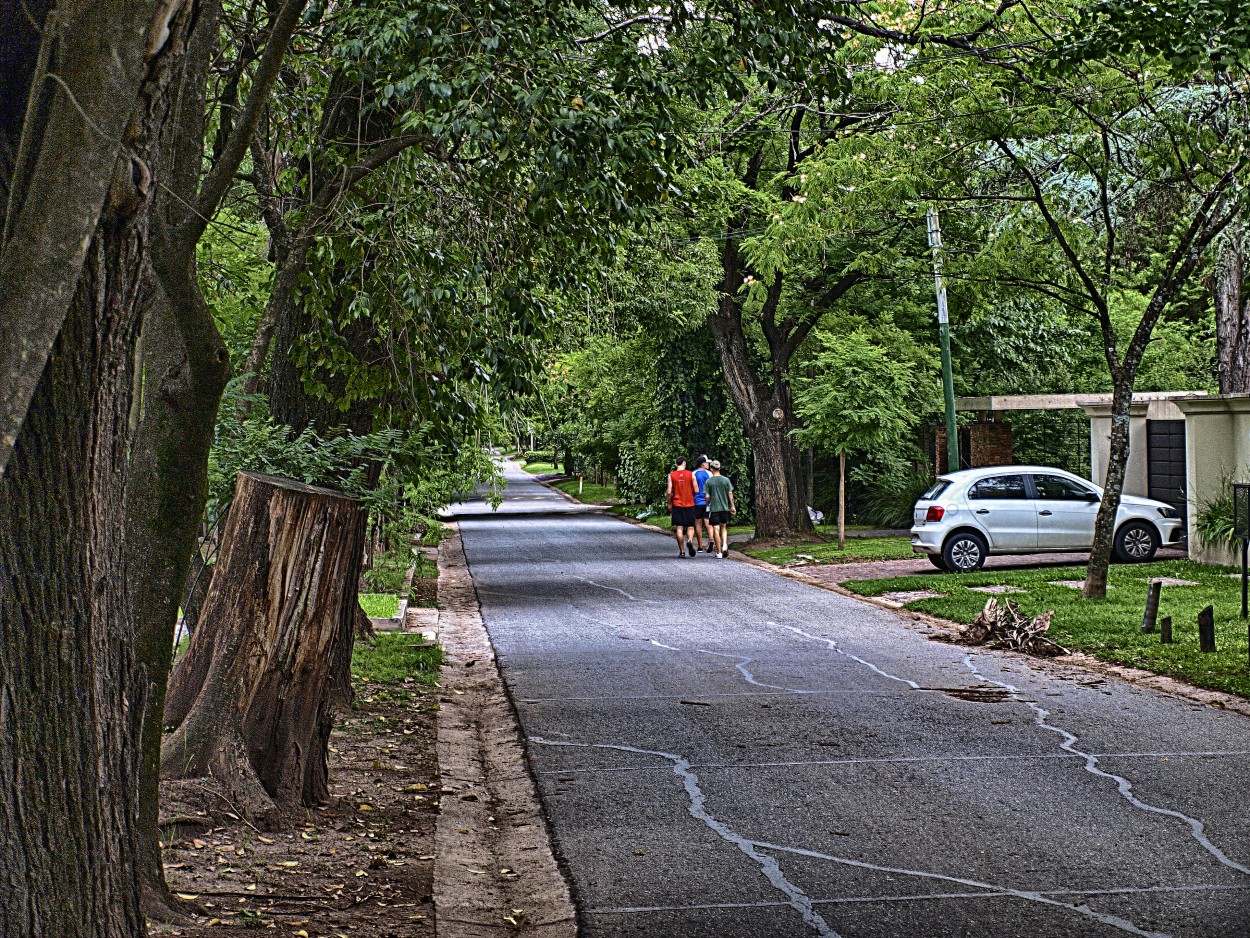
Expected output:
(539, 468)
(858, 549)
(1109, 628)
(379, 605)
(395, 658)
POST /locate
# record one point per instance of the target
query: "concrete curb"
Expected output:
(494, 869)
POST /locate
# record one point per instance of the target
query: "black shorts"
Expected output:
(718, 518)
(700, 511)
(683, 517)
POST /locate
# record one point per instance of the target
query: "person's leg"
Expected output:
(698, 527)
(722, 539)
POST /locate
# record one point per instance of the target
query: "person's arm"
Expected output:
(733, 510)
(668, 492)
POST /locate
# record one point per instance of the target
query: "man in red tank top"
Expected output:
(681, 503)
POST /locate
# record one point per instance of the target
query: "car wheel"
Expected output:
(964, 552)
(1136, 542)
(937, 561)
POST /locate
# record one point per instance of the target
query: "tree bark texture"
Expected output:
(97, 61)
(1113, 487)
(767, 418)
(252, 697)
(1232, 317)
(73, 679)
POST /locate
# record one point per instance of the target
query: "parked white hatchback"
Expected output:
(969, 515)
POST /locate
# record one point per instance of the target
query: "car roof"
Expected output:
(964, 475)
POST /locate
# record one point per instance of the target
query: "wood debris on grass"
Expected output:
(1002, 625)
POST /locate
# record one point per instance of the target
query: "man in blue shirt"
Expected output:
(701, 475)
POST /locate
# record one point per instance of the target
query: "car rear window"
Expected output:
(938, 487)
(999, 487)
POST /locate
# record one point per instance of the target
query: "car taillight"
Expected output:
(934, 513)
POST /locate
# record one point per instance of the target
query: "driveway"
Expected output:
(724, 752)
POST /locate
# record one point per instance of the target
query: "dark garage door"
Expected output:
(1165, 462)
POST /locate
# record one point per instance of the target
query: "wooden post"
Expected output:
(1152, 607)
(1165, 630)
(1206, 630)
(842, 500)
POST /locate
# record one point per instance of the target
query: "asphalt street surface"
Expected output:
(724, 752)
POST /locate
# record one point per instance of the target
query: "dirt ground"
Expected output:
(361, 867)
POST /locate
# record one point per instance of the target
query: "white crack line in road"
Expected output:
(1114, 921)
(615, 589)
(1041, 718)
(741, 666)
(846, 654)
(797, 899)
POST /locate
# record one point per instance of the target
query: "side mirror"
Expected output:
(1092, 498)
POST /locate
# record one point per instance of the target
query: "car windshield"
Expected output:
(938, 487)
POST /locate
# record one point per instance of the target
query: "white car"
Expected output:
(967, 516)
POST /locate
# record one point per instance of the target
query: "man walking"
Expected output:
(720, 503)
(681, 503)
(701, 475)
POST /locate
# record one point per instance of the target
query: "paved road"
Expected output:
(723, 752)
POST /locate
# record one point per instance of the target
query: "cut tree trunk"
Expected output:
(251, 700)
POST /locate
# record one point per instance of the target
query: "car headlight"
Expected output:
(1169, 512)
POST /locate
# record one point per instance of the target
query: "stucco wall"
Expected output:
(1217, 449)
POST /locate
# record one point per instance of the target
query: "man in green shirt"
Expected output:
(720, 505)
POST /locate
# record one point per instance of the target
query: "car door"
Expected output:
(1066, 511)
(1002, 507)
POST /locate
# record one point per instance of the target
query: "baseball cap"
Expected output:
(715, 464)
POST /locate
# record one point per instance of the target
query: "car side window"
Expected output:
(1060, 489)
(999, 487)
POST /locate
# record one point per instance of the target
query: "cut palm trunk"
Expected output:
(251, 700)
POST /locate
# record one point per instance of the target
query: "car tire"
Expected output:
(1136, 542)
(964, 552)
(937, 561)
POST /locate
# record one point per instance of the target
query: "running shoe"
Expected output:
(690, 548)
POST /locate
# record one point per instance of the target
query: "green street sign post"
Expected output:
(944, 337)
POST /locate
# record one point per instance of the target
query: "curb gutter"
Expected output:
(494, 869)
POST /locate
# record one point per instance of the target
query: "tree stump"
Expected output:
(251, 700)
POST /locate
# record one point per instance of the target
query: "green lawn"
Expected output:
(394, 656)
(379, 605)
(591, 494)
(857, 549)
(1109, 628)
(539, 468)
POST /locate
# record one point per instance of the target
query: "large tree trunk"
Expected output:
(252, 697)
(1232, 317)
(767, 419)
(70, 658)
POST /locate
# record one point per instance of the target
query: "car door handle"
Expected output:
(983, 511)
(1047, 513)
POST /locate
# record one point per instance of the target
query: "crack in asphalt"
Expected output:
(1029, 895)
(1042, 716)
(615, 589)
(846, 654)
(922, 897)
(797, 899)
(741, 667)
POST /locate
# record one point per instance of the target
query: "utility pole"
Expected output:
(944, 337)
